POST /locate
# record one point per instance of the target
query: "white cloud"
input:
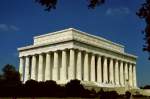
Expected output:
(14, 28)
(118, 11)
(6, 27)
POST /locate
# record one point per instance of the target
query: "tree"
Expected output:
(10, 73)
(127, 95)
(144, 13)
(74, 88)
(51, 4)
(146, 87)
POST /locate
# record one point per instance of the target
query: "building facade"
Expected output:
(72, 54)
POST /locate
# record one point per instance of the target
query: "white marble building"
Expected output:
(72, 54)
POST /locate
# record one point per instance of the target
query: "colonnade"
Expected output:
(64, 65)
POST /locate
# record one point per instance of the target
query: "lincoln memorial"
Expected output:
(72, 54)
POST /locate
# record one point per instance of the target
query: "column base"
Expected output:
(62, 82)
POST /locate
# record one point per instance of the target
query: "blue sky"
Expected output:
(116, 20)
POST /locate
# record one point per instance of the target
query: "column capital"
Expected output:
(98, 55)
(93, 54)
(110, 58)
(34, 55)
(48, 52)
(120, 60)
(84, 52)
(42, 53)
(116, 60)
(133, 64)
(104, 56)
(22, 56)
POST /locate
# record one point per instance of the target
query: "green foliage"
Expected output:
(51, 4)
(108, 95)
(48, 4)
(128, 95)
(10, 73)
(11, 86)
(95, 3)
(146, 87)
(48, 88)
(74, 88)
(144, 13)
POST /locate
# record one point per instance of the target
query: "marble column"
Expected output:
(130, 75)
(126, 74)
(116, 73)
(121, 73)
(72, 65)
(111, 71)
(86, 67)
(79, 66)
(63, 76)
(99, 70)
(33, 68)
(92, 68)
(48, 66)
(55, 67)
(134, 76)
(105, 70)
(27, 66)
(21, 68)
(40, 68)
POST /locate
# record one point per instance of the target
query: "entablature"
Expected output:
(30, 50)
